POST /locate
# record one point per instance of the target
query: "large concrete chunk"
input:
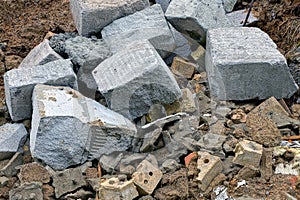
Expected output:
(12, 138)
(79, 128)
(91, 16)
(197, 16)
(243, 63)
(39, 55)
(149, 24)
(19, 84)
(140, 79)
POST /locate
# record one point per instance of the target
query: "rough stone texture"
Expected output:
(184, 67)
(266, 168)
(156, 111)
(188, 103)
(19, 84)
(79, 128)
(146, 177)
(212, 142)
(141, 79)
(8, 167)
(229, 5)
(91, 16)
(148, 24)
(113, 188)
(237, 17)
(12, 138)
(27, 191)
(243, 63)
(33, 172)
(248, 153)
(67, 181)
(197, 16)
(163, 3)
(39, 55)
(209, 166)
(199, 56)
(58, 42)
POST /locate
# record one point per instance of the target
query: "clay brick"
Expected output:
(146, 177)
(184, 67)
(209, 166)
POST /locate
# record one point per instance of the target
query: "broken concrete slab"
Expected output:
(91, 16)
(248, 153)
(209, 167)
(148, 24)
(27, 191)
(146, 177)
(147, 80)
(238, 17)
(114, 188)
(232, 52)
(12, 139)
(19, 84)
(68, 181)
(40, 55)
(197, 16)
(84, 126)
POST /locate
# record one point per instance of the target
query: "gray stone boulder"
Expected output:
(39, 55)
(19, 84)
(163, 3)
(149, 24)
(197, 16)
(140, 79)
(12, 138)
(244, 63)
(91, 16)
(79, 128)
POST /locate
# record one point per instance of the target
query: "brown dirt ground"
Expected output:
(24, 24)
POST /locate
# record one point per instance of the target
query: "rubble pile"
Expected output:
(135, 108)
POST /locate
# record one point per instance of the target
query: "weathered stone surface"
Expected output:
(19, 84)
(33, 172)
(12, 138)
(266, 167)
(212, 142)
(148, 24)
(163, 3)
(79, 128)
(199, 56)
(248, 153)
(58, 42)
(197, 16)
(141, 79)
(91, 16)
(183, 47)
(8, 167)
(229, 5)
(40, 55)
(149, 140)
(146, 177)
(243, 63)
(237, 17)
(209, 166)
(156, 111)
(27, 191)
(113, 188)
(183, 67)
(68, 181)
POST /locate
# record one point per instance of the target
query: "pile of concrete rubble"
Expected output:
(108, 112)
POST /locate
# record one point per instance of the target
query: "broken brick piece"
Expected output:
(185, 68)
(189, 158)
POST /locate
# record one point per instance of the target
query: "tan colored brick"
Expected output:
(146, 177)
(210, 166)
(185, 68)
(266, 169)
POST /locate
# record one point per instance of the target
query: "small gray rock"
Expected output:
(27, 191)
(58, 42)
(163, 3)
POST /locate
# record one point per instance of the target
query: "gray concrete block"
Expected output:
(12, 138)
(148, 24)
(19, 84)
(163, 3)
(197, 16)
(243, 63)
(141, 79)
(79, 128)
(91, 16)
(40, 55)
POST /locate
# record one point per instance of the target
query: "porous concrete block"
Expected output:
(19, 84)
(39, 55)
(113, 188)
(248, 153)
(148, 24)
(243, 63)
(79, 128)
(146, 177)
(209, 166)
(12, 138)
(91, 16)
(197, 16)
(141, 79)
(68, 181)
(183, 67)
